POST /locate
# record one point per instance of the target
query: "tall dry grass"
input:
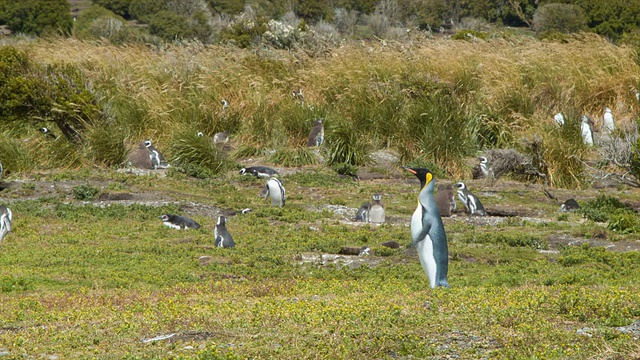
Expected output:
(480, 94)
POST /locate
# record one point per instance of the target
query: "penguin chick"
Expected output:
(178, 222)
(376, 211)
(221, 137)
(5, 221)
(427, 231)
(276, 192)
(222, 237)
(316, 135)
(445, 199)
(472, 204)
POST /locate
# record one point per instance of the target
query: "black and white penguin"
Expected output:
(487, 172)
(471, 202)
(427, 231)
(225, 104)
(569, 205)
(608, 125)
(259, 171)
(178, 222)
(298, 95)
(1, 170)
(586, 130)
(445, 199)
(48, 134)
(316, 136)
(363, 212)
(157, 159)
(376, 211)
(222, 236)
(5, 221)
(559, 118)
(276, 192)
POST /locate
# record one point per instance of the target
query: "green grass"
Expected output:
(82, 281)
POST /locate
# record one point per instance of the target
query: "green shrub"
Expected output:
(97, 22)
(106, 144)
(602, 208)
(120, 7)
(198, 156)
(244, 32)
(298, 156)
(142, 9)
(85, 192)
(38, 17)
(169, 25)
(346, 145)
(564, 18)
(14, 155)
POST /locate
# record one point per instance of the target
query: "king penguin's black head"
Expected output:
(424, 175)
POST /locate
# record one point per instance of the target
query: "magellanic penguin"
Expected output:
(48, 134)
(157, 159)
(225, 104)
(471, 202)
(178, 222)
(376, 211)
(363, 212)
(559, 118)
(259, 171)
(484, 167)
(298, 95)
(316, 135)
(586, 130)
(608, 125)
(570, 205)
(5, 221)
(427, 231)
(222, 236)
(276, 192)
(445, 199)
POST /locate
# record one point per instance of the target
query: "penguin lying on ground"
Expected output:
(569, 205)
(178, 222)
(427, 231)
(222, 237)
(259, 171)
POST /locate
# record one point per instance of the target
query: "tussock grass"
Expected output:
(474, 95)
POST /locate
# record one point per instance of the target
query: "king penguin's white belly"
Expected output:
(424, 246)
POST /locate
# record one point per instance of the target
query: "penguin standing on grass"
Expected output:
(276, 192)
(445, 199)
(586, 130)
(376, 211)
(5, 221)
(471, 202)
(222, 236)
(363, 212)
(427, 231)
(316, 135)
(178, 222)
(608, 125)
(157, 159)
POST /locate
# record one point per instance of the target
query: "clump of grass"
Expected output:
(85, 192)
(346, 145)
(198, 155)
(298, 156)
(106, 144)
(14, 155)
(601, 208)
(515, 240)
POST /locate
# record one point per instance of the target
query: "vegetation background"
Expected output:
(433, 83)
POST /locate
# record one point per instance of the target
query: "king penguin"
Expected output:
(586, 130)
(608, 125)
(316, 135)
(276, 192)
(445, 199)
(157, 159)
(376, 211)
(5, 221)
(259, 171)
(471, 202)
(427, 231)
(222, 236)
(178, 222)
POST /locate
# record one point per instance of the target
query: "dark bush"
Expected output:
(142, 9)
(120, 7)
(169, 26)
(564, 18)
(97, 22)
(37, 17)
